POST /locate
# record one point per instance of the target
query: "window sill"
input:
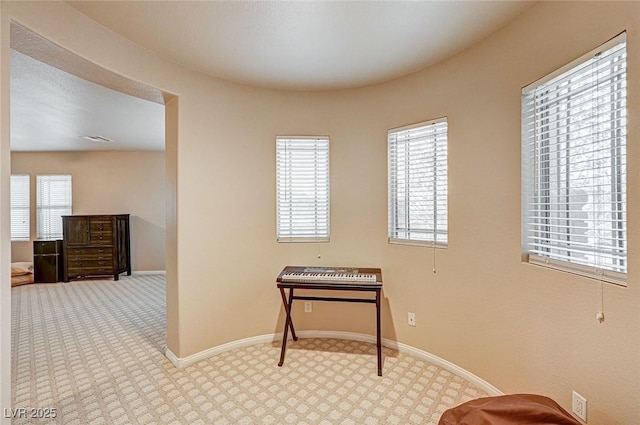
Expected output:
(426, 244)
(303, 240)
(607, 276)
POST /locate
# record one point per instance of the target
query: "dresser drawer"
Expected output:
(106, 262)
(101, 238)
(84, 271)
(101, 225)
(92, 253)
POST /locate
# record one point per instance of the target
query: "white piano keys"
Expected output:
(328, 277)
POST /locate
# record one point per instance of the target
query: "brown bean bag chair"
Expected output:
(513, 409)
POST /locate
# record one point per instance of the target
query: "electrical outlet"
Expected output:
(579, 406)
(411, 319)
(307, 307)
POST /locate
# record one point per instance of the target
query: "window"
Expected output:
(574, 166)
(20, 203)
(53, 200)
(302, 184)
(418, 184)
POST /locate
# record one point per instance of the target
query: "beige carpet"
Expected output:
(93, 351)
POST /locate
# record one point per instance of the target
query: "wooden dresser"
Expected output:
(95, 245)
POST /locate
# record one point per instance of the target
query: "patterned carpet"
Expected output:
(91, 353)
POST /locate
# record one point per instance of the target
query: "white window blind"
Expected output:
(418, 184)
(574, 166)
(20, 207)
(302, 184)
(53, 200)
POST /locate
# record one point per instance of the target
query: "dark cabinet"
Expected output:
(96, 245)
(76, 231)
(47, 261)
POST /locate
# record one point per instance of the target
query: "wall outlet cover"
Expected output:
(579, 406)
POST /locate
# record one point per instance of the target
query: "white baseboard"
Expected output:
(214, 351)
(172, 358)
(144, 272)
(352, 336)
(447, 365)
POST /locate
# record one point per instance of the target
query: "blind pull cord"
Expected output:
(434, 257)
(600, 314)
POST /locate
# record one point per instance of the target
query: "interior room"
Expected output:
(474, 303)
(49, 104)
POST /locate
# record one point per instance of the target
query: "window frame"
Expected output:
(23, 237)
(437, 235)
(290, 204)
(536, 177)
(67, 208)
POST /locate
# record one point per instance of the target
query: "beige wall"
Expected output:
(520, 327)
(107, 183)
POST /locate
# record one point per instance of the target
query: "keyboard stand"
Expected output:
(287, 302)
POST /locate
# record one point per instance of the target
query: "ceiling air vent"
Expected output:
(97, 139)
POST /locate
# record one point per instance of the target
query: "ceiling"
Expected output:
(51, 110)
(57, 97)
(304, 45)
